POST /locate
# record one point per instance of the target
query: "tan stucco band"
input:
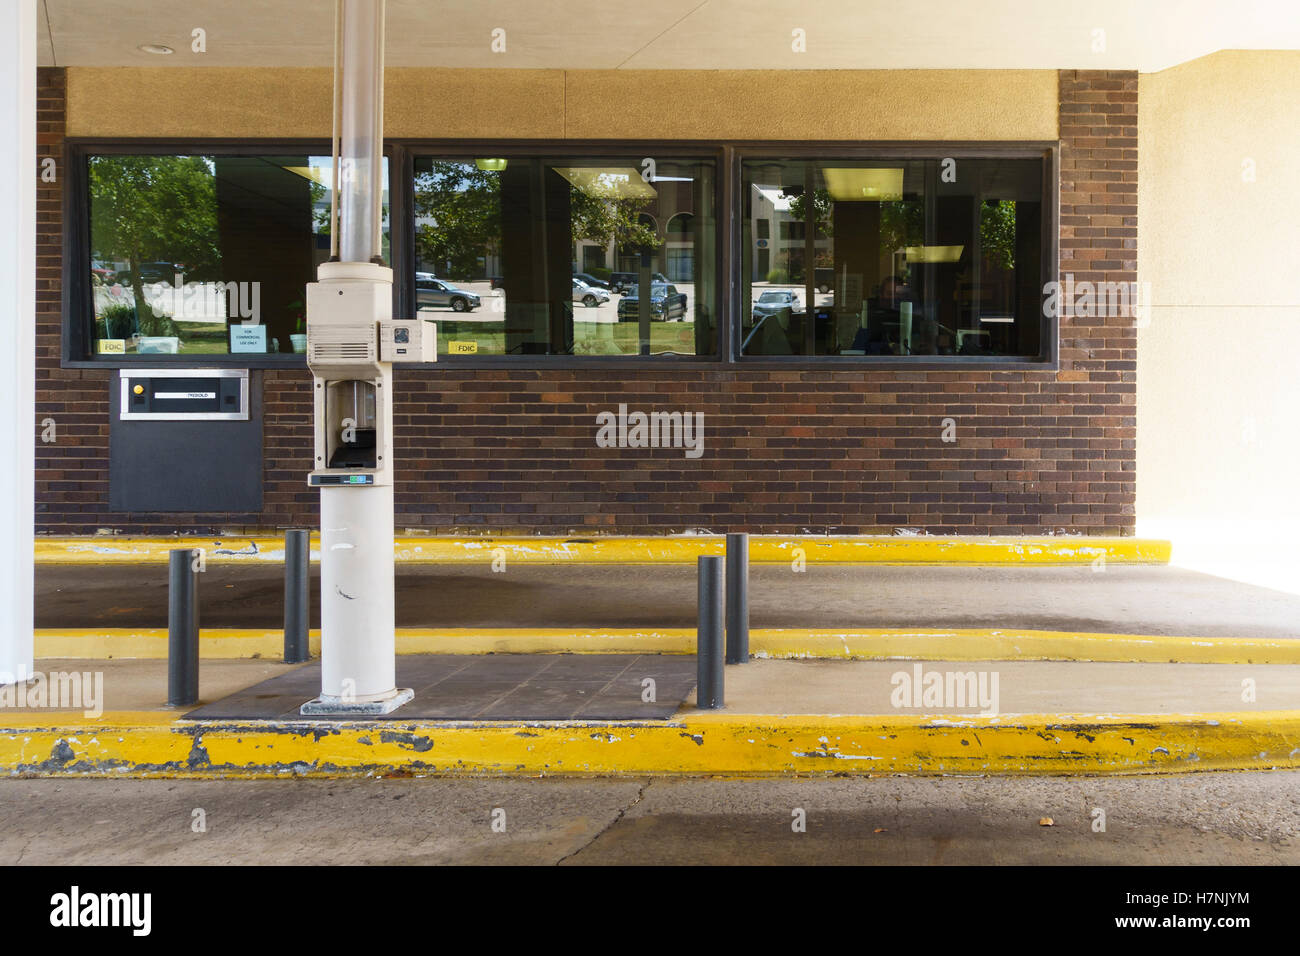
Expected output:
(587, 104)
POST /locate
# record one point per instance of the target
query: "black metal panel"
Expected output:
(185, 466)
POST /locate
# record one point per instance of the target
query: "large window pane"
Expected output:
(892, 257)
(205, 254)
(567, 256)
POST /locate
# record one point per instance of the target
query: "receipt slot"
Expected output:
(178, 395)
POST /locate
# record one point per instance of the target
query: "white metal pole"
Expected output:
(353, 297)
(18, 338)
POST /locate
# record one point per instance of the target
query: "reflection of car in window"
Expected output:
(622, 281)
(774, 301)
(666, 303)
(430, 292)
(587, 295)
(591, 281)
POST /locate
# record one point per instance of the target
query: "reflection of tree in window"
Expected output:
(822, 204)
(155, 209)
(998, 233)
(463, 206)
(599, 219)
(902, 224)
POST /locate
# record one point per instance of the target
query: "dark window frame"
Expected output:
(401, 154)
(76, 352)
(1047, 152)
(505, 149)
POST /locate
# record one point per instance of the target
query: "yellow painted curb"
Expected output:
(965, 644)
(148, 745)
(763, 549)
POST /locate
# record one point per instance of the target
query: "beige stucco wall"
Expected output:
(1219, 364)
(592, 104)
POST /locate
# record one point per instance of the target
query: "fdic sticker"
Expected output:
(462, 348)
(112, 346)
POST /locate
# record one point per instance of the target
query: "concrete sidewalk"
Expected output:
(821, 687)
(1121, 599)
(782, 717)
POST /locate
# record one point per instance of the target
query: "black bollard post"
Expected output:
(708, 646)
(182, 629)
(297, 596)
(737, 598)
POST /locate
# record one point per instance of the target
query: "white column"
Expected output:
(17, 332)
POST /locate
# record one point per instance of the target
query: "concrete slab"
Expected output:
(496, 687)
(784, 687)
(1151, 600)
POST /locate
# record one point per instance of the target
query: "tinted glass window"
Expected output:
(513, 232)
(907, 257)
(205, 254)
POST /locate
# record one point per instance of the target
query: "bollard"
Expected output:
(708, 641)
(297, 596)
(182, 629)
(737, 598)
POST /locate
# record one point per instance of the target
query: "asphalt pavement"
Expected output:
(1211, 819)
(1119, 599)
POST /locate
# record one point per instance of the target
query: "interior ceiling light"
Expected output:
(156, 48)
(864, 185)
(490, 165)
(608, 183)
(934, 253)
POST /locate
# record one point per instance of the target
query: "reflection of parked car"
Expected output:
(775, 300)
(587, 295)
(436, 292)
(591, 281)
(152, 272)
(666, 303)
(622, 281)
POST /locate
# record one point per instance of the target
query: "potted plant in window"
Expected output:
(299, 336)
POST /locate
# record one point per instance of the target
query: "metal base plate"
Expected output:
(338, 707)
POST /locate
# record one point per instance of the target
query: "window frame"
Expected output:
(77, 294)
(402, 153)
(532, 148)
(1048, 358)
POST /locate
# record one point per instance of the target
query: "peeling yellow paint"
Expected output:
(763, 549)
(920, 644)
(720, 743)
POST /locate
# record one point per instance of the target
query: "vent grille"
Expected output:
(339, 351)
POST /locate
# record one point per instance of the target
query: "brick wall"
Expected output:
(817, 449)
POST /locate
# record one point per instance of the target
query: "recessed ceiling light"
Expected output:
(156, 48)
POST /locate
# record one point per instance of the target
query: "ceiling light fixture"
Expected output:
(157, 48)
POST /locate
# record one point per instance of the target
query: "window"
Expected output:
(915, 257)
(516, 251)
(509, 236)
(204, 254)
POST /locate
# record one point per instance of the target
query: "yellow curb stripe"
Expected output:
(732, 744)
(763, 549)
(963, 644)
